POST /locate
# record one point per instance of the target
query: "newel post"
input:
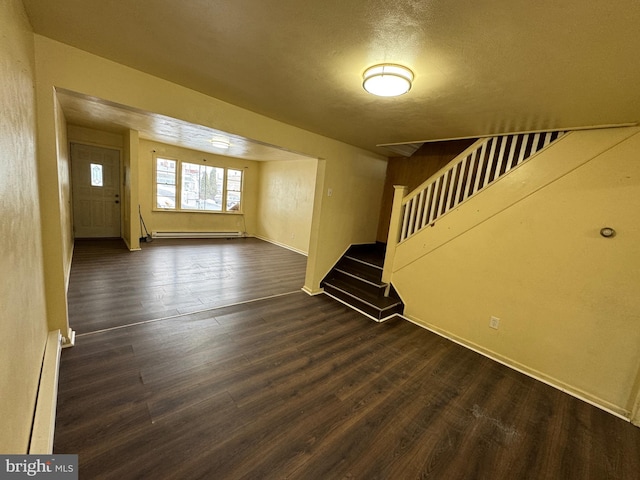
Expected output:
(400, 191)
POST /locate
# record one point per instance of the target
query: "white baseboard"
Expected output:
(312, 293)
(283, 245)
(69, 340)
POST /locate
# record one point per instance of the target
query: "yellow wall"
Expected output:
(356, 176)
(130, 192)
(90, 136)
(195, 222)
(356, 186)
(64, 191)
(528, 251)
(285, 202)
(23, 324)
(55, 205)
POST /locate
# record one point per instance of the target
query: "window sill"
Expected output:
(196, 211)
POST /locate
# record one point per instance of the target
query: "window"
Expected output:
(165, 183)
(201, 187)
(234, 189)
(183, 186)
(96, 175)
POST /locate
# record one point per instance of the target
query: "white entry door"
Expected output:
(96, 191)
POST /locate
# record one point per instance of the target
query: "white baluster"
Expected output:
(490, 161)
(503, 147)
(452, 186)
(405, 221)
(534, 146)
(481, 162)
(441, 204)
(512, 151)
(434, 201)
(427, 206)
(472, 165)
(523, 148)
(461, 180)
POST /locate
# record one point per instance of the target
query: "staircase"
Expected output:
(356, 281)
(484, 162)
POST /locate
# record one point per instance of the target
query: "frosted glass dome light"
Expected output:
(387, 80)
(219, 142)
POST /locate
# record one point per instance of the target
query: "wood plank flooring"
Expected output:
(301, 387)
(110, 286)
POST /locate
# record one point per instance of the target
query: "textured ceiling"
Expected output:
(103, 115)
(482, 67)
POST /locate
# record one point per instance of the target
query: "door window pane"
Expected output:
(96, 175)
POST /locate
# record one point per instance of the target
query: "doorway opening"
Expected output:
(95, 173)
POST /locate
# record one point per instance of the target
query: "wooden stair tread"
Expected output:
(372, 254)
(362, 274)
(377, 301)
(356, 280)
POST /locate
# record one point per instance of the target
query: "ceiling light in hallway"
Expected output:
(387, 80)
(220, 142)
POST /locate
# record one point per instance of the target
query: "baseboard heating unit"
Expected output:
(197, 234)
(44, 419)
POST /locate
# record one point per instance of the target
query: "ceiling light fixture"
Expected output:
(387, 80)
(220, 143)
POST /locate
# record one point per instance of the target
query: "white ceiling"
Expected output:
(481, 67)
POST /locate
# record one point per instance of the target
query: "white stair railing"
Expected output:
(481, 164)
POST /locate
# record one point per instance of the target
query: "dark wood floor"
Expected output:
(110, 286)
(300, 387)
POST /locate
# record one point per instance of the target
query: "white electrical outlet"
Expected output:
(494, 322)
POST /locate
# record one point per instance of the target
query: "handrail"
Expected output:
(478, 166)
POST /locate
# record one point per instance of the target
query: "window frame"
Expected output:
(178, 187)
